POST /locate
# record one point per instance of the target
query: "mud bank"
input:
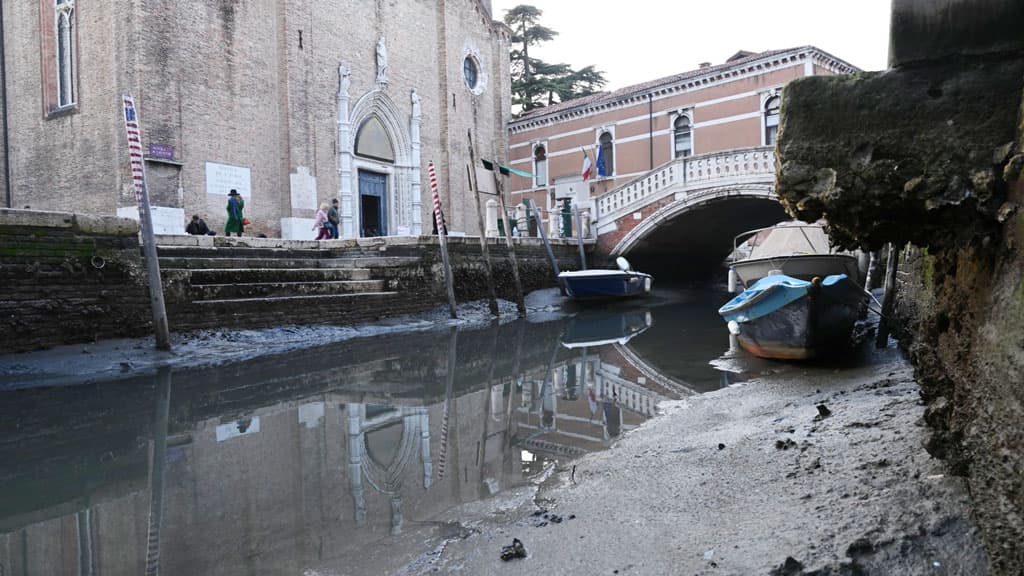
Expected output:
(752, 479)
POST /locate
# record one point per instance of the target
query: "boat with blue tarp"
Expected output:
(792, 319)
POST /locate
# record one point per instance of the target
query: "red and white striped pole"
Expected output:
(443, 237)
(138, 171)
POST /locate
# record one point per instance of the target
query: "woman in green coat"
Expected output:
(235, 218)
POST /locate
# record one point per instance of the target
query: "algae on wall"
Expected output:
(930, 157)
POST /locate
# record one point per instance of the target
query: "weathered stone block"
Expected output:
(909, 155)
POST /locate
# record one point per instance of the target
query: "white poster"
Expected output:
(222, 178)
(165, 220)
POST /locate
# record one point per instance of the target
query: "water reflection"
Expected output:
(334, 458)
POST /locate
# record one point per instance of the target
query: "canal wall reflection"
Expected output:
(341, 455)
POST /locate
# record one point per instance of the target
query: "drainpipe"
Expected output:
(650, 126)
(3, 114)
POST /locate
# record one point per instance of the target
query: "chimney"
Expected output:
(705, 64)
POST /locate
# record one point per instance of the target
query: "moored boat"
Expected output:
(791, 319)
(606, 284)
(794, 249)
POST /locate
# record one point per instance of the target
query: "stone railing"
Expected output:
(718, 169)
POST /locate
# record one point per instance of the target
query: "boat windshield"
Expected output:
(784, 239)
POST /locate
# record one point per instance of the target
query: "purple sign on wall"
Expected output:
(161, 151)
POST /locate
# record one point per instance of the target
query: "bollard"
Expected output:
(734, 279)
(492, 218)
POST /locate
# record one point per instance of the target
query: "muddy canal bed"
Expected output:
(620, 439)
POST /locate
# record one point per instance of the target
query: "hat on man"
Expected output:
(233, 192)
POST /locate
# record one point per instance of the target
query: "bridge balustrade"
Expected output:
(688, 175)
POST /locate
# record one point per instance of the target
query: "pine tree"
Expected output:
(536, 83)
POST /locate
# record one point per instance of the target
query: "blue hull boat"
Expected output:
(790, 319)
(606, 284)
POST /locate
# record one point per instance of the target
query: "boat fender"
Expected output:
(733, 281)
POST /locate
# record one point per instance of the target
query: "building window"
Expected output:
(540, 166)
(683, 137)
(470, 72)
(771, 120)
(605, 155)
(64, 18)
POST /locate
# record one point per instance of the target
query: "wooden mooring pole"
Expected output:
(547, 246)
(442, 235)
(520, 302)
(471, 172)
(579, 237)
(888, 299)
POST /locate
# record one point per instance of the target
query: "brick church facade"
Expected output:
(290, 102)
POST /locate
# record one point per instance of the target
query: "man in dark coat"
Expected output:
(198, 227)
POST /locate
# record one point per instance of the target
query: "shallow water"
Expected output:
(336, 459)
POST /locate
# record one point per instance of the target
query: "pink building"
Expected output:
(634, 130)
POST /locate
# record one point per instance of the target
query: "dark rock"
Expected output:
(823, 411)
(791, 567)
(514, 550)
(721, 446)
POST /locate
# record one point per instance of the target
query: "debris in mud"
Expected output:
(785, 444)
(791, 567)
(512, 551)
(823, 412)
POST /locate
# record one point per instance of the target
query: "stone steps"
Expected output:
(183, 262)
(238, 285)
(203, 276)
(266, 290)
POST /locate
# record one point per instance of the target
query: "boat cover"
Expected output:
(768, 295)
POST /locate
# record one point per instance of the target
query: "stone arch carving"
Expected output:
(689, 201)
(403, 202)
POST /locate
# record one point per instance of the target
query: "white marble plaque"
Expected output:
(239, 428)
(297, 229)
(222, 178)
(303, 189)
(165, 220)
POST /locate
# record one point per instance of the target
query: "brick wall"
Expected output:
(69, 278)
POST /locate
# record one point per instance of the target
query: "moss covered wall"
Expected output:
(928, 157)
(68, 278)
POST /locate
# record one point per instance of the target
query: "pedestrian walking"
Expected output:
(235, 217)
(333, 218)
(320, 223)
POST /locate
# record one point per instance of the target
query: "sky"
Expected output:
(634, 41)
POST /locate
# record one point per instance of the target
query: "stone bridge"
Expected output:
(680, 218)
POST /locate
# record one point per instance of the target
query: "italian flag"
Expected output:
(585, 172)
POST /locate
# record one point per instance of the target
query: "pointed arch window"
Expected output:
(372, 141)
(540, 166)
(683, 133)
(64, 24)
(58, 51)
(771, 120)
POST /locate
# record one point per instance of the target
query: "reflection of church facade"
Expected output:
(346, 466)
(290, 104)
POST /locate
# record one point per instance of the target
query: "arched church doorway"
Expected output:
(373, 202)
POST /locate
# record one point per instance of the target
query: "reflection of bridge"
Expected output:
(689, 209)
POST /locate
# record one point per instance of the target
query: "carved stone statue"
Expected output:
(344, 79)
(382, 62)
(415, 104)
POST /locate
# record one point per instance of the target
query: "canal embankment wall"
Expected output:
(70, 278)
(927, 157)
